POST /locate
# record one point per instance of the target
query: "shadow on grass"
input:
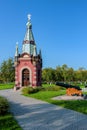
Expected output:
(7, 122)
(77, 105)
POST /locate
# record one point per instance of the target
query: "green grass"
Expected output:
(46, 95)
(81, 86)
(77, 105)
(6, 86)
(7, 122)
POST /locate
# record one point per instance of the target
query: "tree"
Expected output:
(70, 74)
(58, 74)
(7, 70)
(48, 75)
(81, 74)
(64, 72)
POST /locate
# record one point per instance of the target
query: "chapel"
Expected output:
(28, 64)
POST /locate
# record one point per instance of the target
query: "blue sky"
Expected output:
(59, 28)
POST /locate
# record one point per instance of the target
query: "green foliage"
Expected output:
(48, 74)
(7, 122)
(58, 74)
(6, 86)
(4, 106)
(54, 88)
(29, 90)
(48, 85)
(65, 74)
(7, 71)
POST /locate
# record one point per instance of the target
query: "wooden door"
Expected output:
(25, 77)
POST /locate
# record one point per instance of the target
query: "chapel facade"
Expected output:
(28, 64)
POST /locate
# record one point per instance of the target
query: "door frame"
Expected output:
(30, 75)
(25, 77)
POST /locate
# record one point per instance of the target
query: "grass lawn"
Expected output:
(77, 105)
(6, 86)
(7, 122)
(46, 95)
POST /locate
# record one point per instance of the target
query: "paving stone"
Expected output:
(33, 114)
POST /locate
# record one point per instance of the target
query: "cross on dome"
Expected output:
(16, 43)
(29, 17)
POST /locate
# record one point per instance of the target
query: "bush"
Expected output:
(54, 88)
(4, 106)
(29, 90)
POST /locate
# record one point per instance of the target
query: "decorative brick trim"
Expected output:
(35, 68)
(34, 82)
(35, 77)
(35, 72)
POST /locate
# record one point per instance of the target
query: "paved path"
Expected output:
(34, 114)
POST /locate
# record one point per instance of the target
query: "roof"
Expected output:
(29, 34)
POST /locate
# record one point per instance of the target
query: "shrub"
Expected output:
(4, 106)
(54, 88)
(34, 90)
(29, 90)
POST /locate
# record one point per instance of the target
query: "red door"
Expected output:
(25, 77)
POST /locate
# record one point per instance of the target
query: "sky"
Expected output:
(59, 28)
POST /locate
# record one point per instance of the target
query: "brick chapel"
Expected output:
(28, 64)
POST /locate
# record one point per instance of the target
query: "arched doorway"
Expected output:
(25, 77)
